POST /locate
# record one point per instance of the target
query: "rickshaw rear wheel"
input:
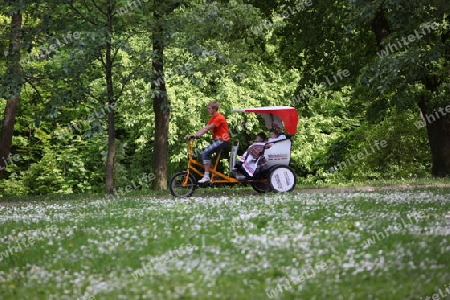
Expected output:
(282, 179)
(176, 185)
(262, 187)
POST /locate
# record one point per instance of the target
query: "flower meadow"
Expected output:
(386, 244)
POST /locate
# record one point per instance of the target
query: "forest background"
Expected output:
(96, 95)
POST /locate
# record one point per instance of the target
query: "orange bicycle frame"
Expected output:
(216, 176)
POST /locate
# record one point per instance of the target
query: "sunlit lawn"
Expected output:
(230, 247)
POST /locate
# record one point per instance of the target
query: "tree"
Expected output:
(161, 105)
(413, 67)
(108, 44)
(12, 85)
(390, 69)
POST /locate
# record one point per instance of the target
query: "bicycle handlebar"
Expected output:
(192, 137)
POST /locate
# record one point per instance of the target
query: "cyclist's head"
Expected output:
(213, 106)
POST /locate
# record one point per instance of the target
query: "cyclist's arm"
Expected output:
(204, 130)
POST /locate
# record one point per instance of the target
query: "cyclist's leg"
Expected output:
(205, 156)
(214, 147)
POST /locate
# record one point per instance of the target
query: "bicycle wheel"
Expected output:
(176, 185)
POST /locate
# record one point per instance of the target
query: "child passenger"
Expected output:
(274, 136)
(248, 162)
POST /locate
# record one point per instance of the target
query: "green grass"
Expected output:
(312, 183)
(222, 244)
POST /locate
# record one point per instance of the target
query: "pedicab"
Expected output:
(275, 174)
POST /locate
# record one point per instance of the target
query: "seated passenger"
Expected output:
(274, 136)
(253, 158)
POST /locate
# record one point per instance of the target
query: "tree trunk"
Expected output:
(380, 27)
(15, 83)
(438, 129)
(161, 108)
(437, 120)
(111, 126)
(111, 152)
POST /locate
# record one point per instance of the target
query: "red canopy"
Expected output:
(287, 114)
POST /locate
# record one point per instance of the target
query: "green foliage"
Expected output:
(213, 53)
(333, 35)
(406, 152)
(326, 120)
(14, 185)
(66, 164)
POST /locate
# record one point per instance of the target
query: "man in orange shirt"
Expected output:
(220, 133)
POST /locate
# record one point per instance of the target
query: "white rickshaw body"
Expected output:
(276, 158)
(284, 117)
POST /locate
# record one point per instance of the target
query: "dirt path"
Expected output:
(371, 188)
(297, 191)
